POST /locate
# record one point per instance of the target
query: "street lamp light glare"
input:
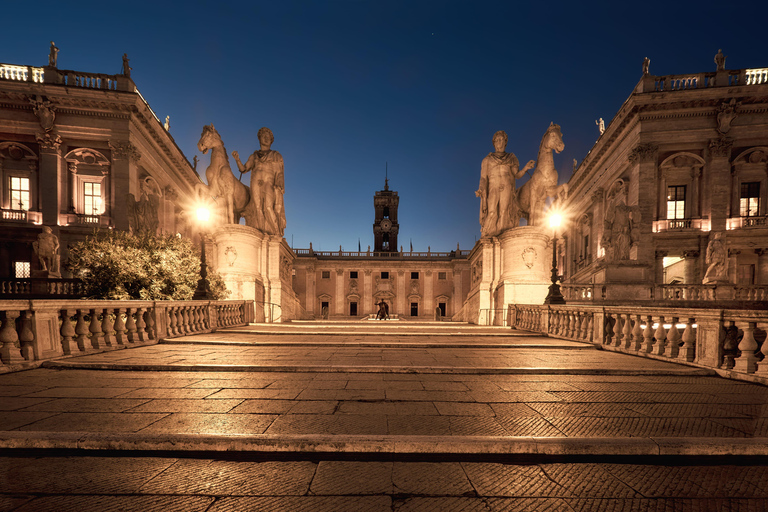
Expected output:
(203, 214)
(555, 219)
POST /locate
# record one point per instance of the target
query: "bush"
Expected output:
(121, 265)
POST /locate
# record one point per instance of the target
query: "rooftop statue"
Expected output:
(646, 65)
(499, 208)
(265, 211)
(543, 183)
(222, 183)
(53, 56)
(720, 60)
(126, 67)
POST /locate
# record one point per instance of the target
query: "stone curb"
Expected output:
(506, 334)
(400, 445)
(449, 370)
(357, 344)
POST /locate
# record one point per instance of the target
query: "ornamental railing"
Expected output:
(390, 255)
(729, 341)
(35, 330)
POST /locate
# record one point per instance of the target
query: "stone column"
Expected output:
(643, 157)
(311, 290)
(367, 292)
(340, 298)
(659, 267)
(272, 272)
(719, 185)
(401, 298)
(690, 267)
(429, 295)
(125, 180)
(52, 195)
(457, 294)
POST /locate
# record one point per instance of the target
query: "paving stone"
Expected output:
(668, 505)
(226, 478)
(342, 394)
(514, 410)
(170, 393)
(12, 403)
(463, 409)
(538, 427)
(428, 478)
(211, 423)
(79, 475)
(494, 479)
(230, 383)
(117, 504)
(314, 407)
(357, 424)
(350, 477)
(673, 427)
(388, 408)
(87, 404)
(581, 410)
(419, 425)
(441, 505)
(302, 424)
(261, 406)
(531, 505)
(475, 426)
(187, 405)
(588, 480)
(94, 422)
(84, 392)
(285, 394)
(445, 386)
(688, 410)
(304, 504)
(667, 481)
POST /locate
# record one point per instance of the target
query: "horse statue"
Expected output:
(533, 195)
(221, 181)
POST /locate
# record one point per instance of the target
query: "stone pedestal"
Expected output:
(239, 257)
(526, 264)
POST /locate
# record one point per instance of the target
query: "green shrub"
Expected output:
(121, 265)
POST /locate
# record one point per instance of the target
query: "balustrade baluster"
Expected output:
(10, 352)
(97, 336)
(141, 332)
(81, 330)
(180, 321)
(107, 323)
(120, 337)
(185, 320)
(627, 331)
(67, 331)
(687, 351)
(673, 339)
(171, 314)
(130, 325)
(27, 337)
(583, 326)
(729, 345)
(747, 362)
(637, 335)
(661, 338)
(618, 331)
(608, 335)
(572, 324)
(648, 335)
(197, 318)
(205, 312)
(149, 320)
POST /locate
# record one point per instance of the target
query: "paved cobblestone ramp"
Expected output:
(378, 417)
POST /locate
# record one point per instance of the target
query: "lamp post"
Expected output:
(554, 296)
(203, 291)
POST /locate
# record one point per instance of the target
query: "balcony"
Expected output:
(22, 216)
(747, 222)
(81, 219)
(681, 225)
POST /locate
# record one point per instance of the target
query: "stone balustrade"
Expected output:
(703, 294)
(35, 330)
(38, 287)
(725, 340)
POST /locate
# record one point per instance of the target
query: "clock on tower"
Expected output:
(385, 226)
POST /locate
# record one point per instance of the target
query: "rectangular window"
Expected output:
(414, 275)
(385, 275)
(585, 247)
(326, 274)
(441, 276)
(92, 198)
(19, 193)
(353, 274)
(749, 202)
(676, 202)
(21, 269)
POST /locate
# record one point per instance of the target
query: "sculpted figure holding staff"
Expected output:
(499, 207)
(265, 211)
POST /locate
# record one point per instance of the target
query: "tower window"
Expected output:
(676, 202)
(385, 275)
(353, 274)
(386, 212)
(414, 275)
(749, 201)
(19, 193)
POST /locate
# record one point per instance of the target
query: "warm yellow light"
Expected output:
(555, 219)
(203, 215)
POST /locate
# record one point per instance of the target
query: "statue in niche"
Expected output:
(126, 67)
(142, 213)
(619, 231)
(53, 56)
(646, 65)
(720, 60)
(717, 261)
(266, 210)
(499, 207)
(47, 249)
(222, 183)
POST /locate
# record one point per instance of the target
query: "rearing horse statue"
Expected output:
(221, 181)
(533, 194)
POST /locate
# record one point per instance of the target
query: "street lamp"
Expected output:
(203, 291)
(554, 296)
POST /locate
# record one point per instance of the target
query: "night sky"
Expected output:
(349, 87)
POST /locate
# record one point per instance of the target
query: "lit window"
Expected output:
(21, 269)
(749, 203)
(19, 193)
(441, 275)
(676, 202)
(92, 198)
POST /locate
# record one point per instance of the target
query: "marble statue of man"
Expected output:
(720, 60)
(717, 261)
(47, 249)
(265, 211)
(499, 208)
(53, 56)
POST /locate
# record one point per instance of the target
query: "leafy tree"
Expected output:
(121, 265)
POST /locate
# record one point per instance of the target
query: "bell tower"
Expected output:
(385, 226)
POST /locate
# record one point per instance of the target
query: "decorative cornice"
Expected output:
(124, 150)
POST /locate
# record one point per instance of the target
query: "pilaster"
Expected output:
(644, 157)
(125, 180)
(341, 299)
(719, 185)
(52, 195)
(429, 294)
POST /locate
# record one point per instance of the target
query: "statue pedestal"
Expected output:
(526, 266)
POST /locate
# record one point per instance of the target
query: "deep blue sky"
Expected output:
(347, 86)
